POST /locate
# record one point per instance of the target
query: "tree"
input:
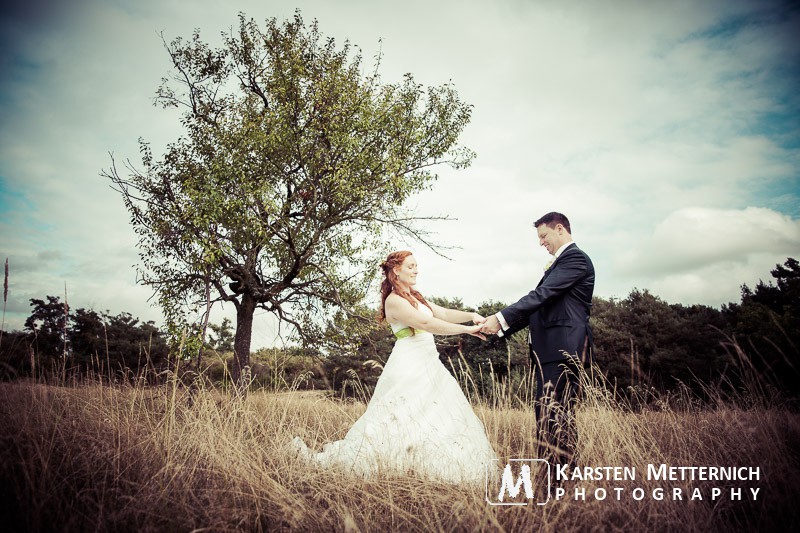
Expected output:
(88, 336)
(132, 344)
(48, 324)
(93, 341)
(644, 341)
(223, 342)
(293, 167)
(767, 323)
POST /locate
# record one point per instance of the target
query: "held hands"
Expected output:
(491, 325)
(475, 331)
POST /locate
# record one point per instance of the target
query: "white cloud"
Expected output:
(718, 282)
(695, 237)
(703, 255)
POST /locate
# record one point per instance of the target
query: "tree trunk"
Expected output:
(241, 346)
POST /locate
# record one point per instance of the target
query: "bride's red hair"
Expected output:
(389, 284)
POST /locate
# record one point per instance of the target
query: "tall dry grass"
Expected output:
(89, 456)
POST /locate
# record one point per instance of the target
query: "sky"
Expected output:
(668, 133)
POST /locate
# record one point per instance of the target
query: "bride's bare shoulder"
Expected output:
(395, 306)
(395, 300)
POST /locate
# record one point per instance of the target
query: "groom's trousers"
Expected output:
(557, 389)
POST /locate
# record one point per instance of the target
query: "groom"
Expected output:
(557, 313)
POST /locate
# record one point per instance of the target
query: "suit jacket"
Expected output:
(557, 311)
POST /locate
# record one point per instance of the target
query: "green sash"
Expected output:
(405, 332)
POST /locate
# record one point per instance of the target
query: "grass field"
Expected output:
(95, 457)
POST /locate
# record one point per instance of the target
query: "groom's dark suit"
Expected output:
(557, 313)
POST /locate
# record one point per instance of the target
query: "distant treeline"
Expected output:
(59, 339)
(641, 344)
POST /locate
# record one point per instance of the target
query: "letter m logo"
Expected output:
(515, 479)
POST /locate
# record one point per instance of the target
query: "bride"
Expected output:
(418, 420)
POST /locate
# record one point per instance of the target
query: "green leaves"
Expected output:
(293, 166)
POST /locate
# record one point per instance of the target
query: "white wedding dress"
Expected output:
(418, 421)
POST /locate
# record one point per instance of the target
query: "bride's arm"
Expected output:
(455, 316)
(400, 310)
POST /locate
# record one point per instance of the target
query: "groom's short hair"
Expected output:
(552, 219)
